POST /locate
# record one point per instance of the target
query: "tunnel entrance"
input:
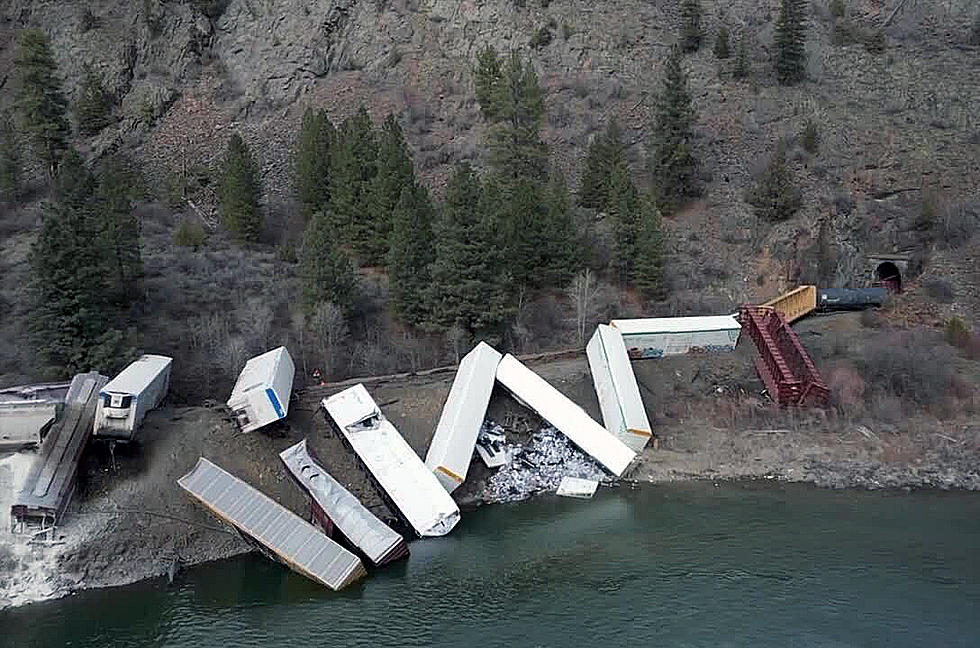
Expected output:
(888, 274)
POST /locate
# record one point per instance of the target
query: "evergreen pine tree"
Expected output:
(624, 210)
(395, 173)
(40, 101)
(72, 321)
(791, 42)
(775, 196)
(326, 270)
(722, 49)
(741, 69)
(469, 279)
(239, 192)
(564, 254)
(648, 265)
(10, 159)
(316, 141)
(353, 167)
(672, 164)
(411, 253)
(119, 229)
(690, 25)
(516, 149)
(488, 74)
(605, 152)
(92, 109)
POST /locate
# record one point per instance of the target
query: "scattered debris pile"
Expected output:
(539, 467)
(491, 445)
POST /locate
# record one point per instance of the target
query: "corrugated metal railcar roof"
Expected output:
(415, 491)
(675, 324)
(570, 419)
(138, 375)
(51, 481)
(623, 412)
(296, 542)
(452, 444)
(363, 529)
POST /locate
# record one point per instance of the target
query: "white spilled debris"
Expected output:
(491, 445)
(558, 410)
(575, 487)
(539, 467)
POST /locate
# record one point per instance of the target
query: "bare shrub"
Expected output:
(917, 367)
(847, 387)
(328, 334)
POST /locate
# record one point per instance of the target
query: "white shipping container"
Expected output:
(414, 490)
(568, 418)
(666, 336)
(125, 400)
(261, 393)
(23, 422)
(622, 408)
(451, 449)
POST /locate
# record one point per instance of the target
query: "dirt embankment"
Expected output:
(130, 520)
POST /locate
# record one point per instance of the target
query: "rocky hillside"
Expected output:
(893, 88)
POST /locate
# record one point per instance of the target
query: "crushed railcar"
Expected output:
(336, 510)
(666, 336)
(623, 413)
(279, 533)
(535, 392)
(51, 481)
(415, 492)
(451, 449)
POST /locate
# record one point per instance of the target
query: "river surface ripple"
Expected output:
(698, 564)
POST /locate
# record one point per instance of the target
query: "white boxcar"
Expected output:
(126, 399)
(413, 489)
(261, 394)
(571, 420)
(23, 422)
(666, 336)
(622, 408)
(451, 449)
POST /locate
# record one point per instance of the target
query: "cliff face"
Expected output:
(898, 125)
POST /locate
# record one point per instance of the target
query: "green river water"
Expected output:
(680, 565)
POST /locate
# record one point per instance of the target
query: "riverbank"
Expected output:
(130, 521)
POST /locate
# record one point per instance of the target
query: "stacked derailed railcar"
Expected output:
(622, 409)
(451, 449)
(280, 533)
(568, 418)
(412, 488)
(51, 481)
(335, 508)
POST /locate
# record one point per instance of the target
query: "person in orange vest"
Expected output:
(318, 377)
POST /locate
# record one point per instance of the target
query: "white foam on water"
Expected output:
(27, 570)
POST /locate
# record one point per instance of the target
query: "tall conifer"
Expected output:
(40, 101)
(469, 279)
(239, 192)
(395, 173)
(326, 270)
(672, 163)
(411, 254)
(791, 42)
(316, 141)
